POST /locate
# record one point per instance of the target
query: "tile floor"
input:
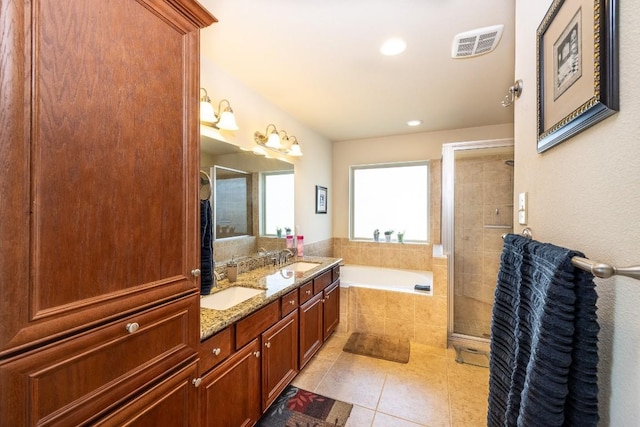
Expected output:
(431, 390)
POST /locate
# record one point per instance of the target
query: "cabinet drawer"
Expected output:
(215, 349)
(289, 302)
(322, 281)
(79, 378)
(306, 292)
(172, 401)
(256, 323)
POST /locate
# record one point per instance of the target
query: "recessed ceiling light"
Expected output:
(414, 122)
(393, 46)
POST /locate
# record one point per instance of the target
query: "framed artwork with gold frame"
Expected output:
(577, 68)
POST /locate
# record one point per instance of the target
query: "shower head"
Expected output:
(509, 162)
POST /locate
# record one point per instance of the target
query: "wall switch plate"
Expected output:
(522, 208)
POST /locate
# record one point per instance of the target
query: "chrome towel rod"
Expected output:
(598, 269)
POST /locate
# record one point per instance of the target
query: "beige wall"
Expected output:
(254, 113)
(585, 194)
(417, 146)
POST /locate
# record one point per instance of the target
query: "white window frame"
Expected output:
(354, 168)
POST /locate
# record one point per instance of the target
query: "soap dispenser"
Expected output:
(232, 271)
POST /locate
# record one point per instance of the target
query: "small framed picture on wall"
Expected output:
(321, 200)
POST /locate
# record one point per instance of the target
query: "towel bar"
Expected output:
(598, 269)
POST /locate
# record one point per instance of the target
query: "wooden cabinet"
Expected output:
(311, 328)
(99, 177)
(279, 357)
(331, 309)
(231, 393)
(77, 379)
(272, 345)
(319, 318)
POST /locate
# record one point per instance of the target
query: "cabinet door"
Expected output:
(331, 309)
(279, 358)
(311, 330)
(99, 162)
(230, 394)
(170, 402)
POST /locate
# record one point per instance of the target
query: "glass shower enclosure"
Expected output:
(477, 198)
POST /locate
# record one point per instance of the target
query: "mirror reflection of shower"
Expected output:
(479, 195)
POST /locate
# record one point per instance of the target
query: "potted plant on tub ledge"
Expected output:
(376, 235)
(400, 236)
(387, 235)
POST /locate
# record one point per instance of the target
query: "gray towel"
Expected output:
(544, 350)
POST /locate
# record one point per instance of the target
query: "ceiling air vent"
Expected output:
(476, 42)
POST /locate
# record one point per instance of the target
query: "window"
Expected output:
(277, 202)
(390, 197)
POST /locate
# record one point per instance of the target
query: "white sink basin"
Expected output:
(300, 266)
(229, 297)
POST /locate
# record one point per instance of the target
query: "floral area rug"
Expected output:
(296, 407)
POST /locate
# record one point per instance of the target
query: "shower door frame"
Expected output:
(448, 221)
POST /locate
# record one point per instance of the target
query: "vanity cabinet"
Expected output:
(246, 366)
(279, 357)
(320, 315)
(231, 393)
(311, 328)
(100, 242)
(331, 309)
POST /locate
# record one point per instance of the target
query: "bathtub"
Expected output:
(389, 279)
(383, 301)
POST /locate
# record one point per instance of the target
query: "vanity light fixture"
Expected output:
(268, 139)
(295, 150)
(224, 119)
(273, 139)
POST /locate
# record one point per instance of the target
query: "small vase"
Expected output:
(387, 237)
(376, 237)
(400, 238)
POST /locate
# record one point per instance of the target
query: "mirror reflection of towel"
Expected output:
(206, 248)
(544, 345)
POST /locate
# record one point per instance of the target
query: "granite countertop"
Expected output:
(272, 280)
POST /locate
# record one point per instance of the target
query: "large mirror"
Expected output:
(239, 207)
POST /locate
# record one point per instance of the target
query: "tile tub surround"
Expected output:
(268, 279)
(407, 256)
(419, 318)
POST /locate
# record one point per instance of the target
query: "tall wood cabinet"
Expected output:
(98, 208)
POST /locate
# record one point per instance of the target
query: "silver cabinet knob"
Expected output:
(256, 353)
(216, 352)
(292, 302)
(327, 297)
(196, 382)
(267, 344)
(132, 327)
(195, 272)
(308, 292)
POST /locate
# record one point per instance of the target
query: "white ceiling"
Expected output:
(318, 60)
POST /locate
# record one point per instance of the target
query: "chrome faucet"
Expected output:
(217, 276)
(285, 255)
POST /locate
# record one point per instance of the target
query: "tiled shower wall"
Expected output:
(483, 212)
